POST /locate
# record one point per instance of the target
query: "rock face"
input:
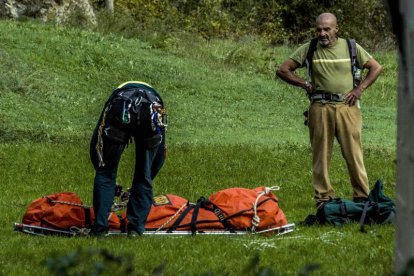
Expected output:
(59, 11)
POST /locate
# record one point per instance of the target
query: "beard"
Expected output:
(324, 41)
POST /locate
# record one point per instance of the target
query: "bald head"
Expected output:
(327, 16)
(326, 29)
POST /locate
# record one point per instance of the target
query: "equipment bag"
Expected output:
(171, 212)
(230, 209)
(63, 210)
(257, 209)
(378, 209)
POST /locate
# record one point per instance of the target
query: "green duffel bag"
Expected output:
(378, 209)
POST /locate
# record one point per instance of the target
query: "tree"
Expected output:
(109, 5)
(402, 12)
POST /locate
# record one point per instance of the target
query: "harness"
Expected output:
(122, 114)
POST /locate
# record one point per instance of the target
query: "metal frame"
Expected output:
(44, 231)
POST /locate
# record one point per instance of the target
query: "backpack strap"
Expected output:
(363, 216)
(344, 211)
(353, 56)
(309, 56)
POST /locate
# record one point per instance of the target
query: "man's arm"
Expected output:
(374, 69)
(286, 73)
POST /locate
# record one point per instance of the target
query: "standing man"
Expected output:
(135, 110)
(334, 103)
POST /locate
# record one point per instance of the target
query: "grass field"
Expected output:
(231, 124)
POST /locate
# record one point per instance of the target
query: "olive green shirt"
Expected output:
(331, 69)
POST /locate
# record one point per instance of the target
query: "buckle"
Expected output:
(328, 96)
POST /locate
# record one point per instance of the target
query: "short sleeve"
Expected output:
(362, 55)
(300, 54)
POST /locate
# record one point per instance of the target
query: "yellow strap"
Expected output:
(138, 82)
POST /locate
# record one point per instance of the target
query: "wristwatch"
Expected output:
(307, 85)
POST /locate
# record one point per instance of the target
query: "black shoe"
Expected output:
(360, 199)
(319, 204)
(98, 234)
(133, 234)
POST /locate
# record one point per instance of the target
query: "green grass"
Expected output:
(231, 123)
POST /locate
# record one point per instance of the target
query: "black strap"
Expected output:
(193, 224)
(123, 224)
(309, 55)
(87, 211)
(363, 216)
(344, 212)
(220, 215)
(180, 218)
(353, 55)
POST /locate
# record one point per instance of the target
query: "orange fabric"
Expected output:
(61, 211)
(240, 200)
(236, 205)
(161, 214)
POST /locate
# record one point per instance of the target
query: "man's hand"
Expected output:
(353, 96)
(374, 69)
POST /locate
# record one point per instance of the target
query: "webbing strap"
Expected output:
(344, 212)
(353, 56)
(123, 224)
(180, 219)
(309, 56)
(88, 221)
(220, 215)
(193, 224)
(363, 216)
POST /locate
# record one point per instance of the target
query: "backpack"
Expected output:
(378, 209)
(355, 67)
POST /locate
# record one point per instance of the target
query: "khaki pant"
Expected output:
(327, 121)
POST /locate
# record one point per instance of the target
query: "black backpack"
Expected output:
(355, 67)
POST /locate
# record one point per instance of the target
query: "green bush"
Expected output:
(277, 22)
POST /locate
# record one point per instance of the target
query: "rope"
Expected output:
(119, 206)
(68, 203)
(256, 218)
(80, 231)
(171, 218)
(99, 143)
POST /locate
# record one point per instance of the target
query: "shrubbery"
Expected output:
(278, 22)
